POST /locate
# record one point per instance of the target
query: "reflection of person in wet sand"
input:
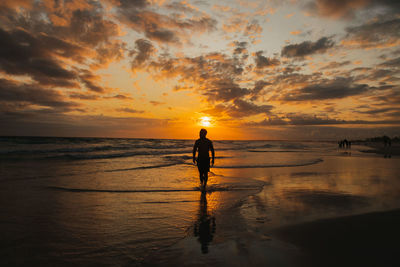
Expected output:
(203, 145)
(205, 226)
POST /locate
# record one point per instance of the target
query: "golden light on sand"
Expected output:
(205, 121)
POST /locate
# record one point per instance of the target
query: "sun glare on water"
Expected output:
(205, 121)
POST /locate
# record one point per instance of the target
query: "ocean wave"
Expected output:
(87, 190)
(210, 188)
(144, 167)
(269, 165)
(117, 155)
(168, 202)
(276, 151)
(90, 149)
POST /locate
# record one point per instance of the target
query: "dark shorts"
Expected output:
(203, 164)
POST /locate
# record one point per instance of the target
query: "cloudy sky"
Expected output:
(294, 69)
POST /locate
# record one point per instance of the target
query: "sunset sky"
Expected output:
(312, 69)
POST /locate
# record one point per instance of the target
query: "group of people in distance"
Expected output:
(344, 144)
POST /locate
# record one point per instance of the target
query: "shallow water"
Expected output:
(93, 201)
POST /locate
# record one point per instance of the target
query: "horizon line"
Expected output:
(152, 138)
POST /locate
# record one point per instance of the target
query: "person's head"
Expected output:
(203, 133)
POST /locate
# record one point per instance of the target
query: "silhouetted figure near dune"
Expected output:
(203, 145)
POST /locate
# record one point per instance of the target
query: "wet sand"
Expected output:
(334, 213)
(362, 240)
(111, 208)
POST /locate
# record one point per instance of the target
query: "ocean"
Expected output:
(134, 202)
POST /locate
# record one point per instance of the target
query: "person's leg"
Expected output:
(205, 178)
(201, 177)
(200, 172)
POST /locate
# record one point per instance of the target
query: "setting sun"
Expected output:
(205, 121)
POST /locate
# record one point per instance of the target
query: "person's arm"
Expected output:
(212, 152)
(194, 151)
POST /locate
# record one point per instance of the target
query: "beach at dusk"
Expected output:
(123, 202)
(199, 133)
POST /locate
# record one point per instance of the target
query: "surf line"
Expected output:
(269, 166)
(82, 190)
(144, 167)
(195, 189)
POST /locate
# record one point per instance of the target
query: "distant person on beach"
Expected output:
(203, 145)
(387, 141)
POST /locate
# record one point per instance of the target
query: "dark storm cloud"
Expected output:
(291, 119)
(83, 96)
(347, 8)
(143, 51)
(374, 111)
(129, 110)
(378, 74)
(327, 89)
(388, 97)
(160, 27)
(83, 23)
(24, 54)
(89, 27)
(313, 120)
(109, 52)
(285, 80)
(258, 87)
(216, 75)
(14, 92)
(240, 47)
(243, 108)
(89, 80)
(252, 28)
(385, 76)
(225, 90)
(377, 34)
(263, 62)
(181, 7)
(119, 96)
(307, 48)
(334, 65)
(392, 63)
(335, 9)
(239, 108)
(156, 103)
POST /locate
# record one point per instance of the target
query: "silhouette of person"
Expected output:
(205, 225)
(203, 145)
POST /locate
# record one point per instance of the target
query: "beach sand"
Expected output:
(125, 203)
(335, 213)
(370, 239)
(360, 240)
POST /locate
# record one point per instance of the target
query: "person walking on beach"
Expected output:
(203, 145)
